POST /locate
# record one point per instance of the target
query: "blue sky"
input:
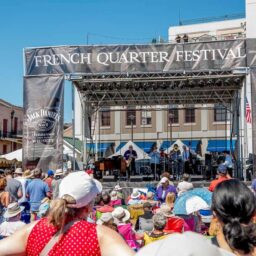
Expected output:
(27, 23)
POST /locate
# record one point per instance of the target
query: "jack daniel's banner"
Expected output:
(139, 58)
(43, 122)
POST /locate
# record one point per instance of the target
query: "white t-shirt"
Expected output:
(8, 228)
(24, 183)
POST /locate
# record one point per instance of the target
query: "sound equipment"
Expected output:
(136, 178)
(196, 178)
(148, 177)
(110, 178)
(208, 159)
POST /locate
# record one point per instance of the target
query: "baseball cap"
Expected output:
(50, 173)
(163, 180)
(82, 187)
(186, 244)
(222, 169)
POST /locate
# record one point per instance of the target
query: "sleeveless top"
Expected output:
(80, 239)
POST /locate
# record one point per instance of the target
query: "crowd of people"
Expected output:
(73, 214)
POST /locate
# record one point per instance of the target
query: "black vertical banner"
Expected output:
(43, 122)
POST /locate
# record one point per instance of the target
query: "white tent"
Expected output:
(180, 145)
(17, 154)
(141, 153)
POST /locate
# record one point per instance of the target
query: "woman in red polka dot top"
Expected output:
(65, 231)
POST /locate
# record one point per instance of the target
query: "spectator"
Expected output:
(169, 200)
(150, 199)
(124, 227)
(234, 206)
(23, 201)
(49, 179)
(59, 174)
(174, 224)
(107, 220)
(14, 187)
(13, 222)
(155, 163)
(68, 213)
(106, 205)
(4, 198)
(144, 222)
(184, 185)
(44, 208)
(222, 176)
(159, 222)
(115, 201)
(187, 244)
(36, 191)
(164, 189)
(120, 193)
(135, 198)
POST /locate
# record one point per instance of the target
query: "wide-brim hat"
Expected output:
(13, 210)
(135, 195)
(166, 211)
(105, 217)
(58, 172)
(28, 174)
(81, 186)
(18, 171)
(121, 214)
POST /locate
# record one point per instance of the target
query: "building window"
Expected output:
(130, 117)
(146, 118)
(190, 115)
(105, 118)
(173, 116)
(220, 113)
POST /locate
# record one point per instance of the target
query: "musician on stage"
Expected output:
(163, 160)
(186, 157)
(175, 159)
(130, 155)
(155, 163)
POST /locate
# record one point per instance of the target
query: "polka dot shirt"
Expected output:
(80, 239)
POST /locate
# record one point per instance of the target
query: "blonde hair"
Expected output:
(60, 213)
(170, 199)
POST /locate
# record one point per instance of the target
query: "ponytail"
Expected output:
(59, 212)
(239, 236)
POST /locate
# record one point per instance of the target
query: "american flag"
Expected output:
(248, 112)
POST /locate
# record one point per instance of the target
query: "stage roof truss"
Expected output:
(201, 87)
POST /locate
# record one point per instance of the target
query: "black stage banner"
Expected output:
(43, 122)
(138, 58)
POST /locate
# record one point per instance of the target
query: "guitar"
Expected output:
(128, 162)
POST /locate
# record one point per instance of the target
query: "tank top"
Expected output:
(80, 239)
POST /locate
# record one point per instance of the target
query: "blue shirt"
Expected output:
(228, 161)
(155, 157)
(254, 185)
(37, 190)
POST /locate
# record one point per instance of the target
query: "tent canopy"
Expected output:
(146, 146)
(17, 154)
(220, 145)
(141, 154)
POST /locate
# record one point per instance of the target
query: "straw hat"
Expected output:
(13, 210)
(58, 172)
(81, 187)
(121, 214)
(28, 174)
(166, 211)
(18, 171)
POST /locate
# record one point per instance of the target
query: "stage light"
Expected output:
(201, 83)
(237, 80)
(191, 83)
(209, 82)
(227, 81)
(181, 84)
(218, 82)
(164, 85)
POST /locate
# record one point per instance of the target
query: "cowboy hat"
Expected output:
(13, 210)
(18, 171)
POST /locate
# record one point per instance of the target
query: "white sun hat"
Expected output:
(13, 210)
(121, 214)
(186, 244)
(82, 187)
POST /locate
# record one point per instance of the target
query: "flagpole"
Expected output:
(245, 132)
